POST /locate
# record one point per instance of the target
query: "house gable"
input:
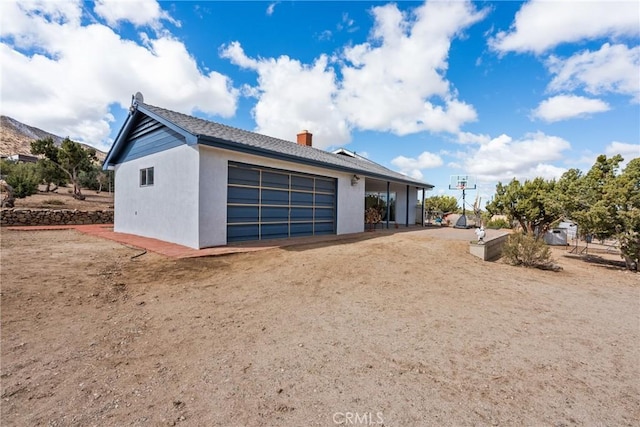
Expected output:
(147, 136)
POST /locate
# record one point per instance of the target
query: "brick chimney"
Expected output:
(304, 138)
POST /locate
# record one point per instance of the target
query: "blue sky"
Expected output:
(492, 89)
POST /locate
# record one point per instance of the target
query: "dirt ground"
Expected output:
(398, 330)
(63, 199)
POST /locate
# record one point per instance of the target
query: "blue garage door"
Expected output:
(264, 203)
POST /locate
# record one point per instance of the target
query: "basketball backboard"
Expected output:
(462, 182)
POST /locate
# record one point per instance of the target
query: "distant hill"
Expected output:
(16, 137)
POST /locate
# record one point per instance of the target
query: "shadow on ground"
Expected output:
(599, 261)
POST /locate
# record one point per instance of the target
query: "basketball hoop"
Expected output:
(462, 183)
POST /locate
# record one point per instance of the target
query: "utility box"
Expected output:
(556, 237)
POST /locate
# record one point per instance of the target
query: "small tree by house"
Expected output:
(443, 204)
(533, 205)
(21, 178)
(71, 158)
(606, 203)
(50, 174)
(95, 178)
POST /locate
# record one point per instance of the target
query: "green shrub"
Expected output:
(53, 202)
(24, 179)
(89, 179)
(498, 223)
(95, 178)
(6, 168)
(525, 250)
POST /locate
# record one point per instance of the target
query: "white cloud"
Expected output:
(235, 53)
(293, 96)
(271, 8)
(472, 138)
(541, 25)
(139, 12)
(63, 77)
(504, 158)
(613, 68)
(546, 171)
(563, 107)
(627, 151)
(413, 167)
(347, 24)
(396, 81)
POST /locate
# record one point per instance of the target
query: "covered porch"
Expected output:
(397, 203)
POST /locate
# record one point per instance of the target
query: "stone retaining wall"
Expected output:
(20, 216)
(490, 250)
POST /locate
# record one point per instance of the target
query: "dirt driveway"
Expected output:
(401, 330)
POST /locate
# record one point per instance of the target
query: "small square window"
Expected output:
(146, 177)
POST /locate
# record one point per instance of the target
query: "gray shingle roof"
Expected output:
(205, 129)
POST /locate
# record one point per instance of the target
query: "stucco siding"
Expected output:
(166, 210)
(350, 205)
(213, 197)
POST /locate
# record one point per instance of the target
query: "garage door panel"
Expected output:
(301, 214)
(301, 199)
(323, 214)
(323, 228)
(301, 229)
(244, 176)
(264, 203)
(275, 197)
(303, 183)
(243, 213)
(275, 180)
(325, 185)
(274, 231)
(324, 200)
(242, 195)
(274, 214)
(239, 233)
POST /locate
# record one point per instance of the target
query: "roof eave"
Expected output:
(247, 149)
(189, 137)
(118, 143)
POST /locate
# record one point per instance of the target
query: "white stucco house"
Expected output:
(199, 184)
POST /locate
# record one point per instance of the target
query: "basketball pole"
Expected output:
(464, 203)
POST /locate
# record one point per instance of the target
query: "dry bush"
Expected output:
(527, 251)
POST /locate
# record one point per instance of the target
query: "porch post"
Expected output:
(423, 191)
(388, 204)
(407, 221)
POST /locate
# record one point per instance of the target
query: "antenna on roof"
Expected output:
(135, 100)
